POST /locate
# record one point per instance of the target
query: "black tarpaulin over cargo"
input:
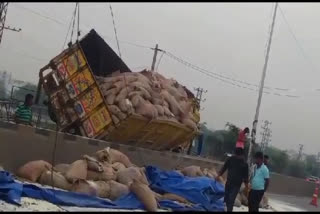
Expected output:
(100, 56)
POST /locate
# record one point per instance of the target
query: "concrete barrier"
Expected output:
(20, 144)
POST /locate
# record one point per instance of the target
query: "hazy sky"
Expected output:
(224, 38)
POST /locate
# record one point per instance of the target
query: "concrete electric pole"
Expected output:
(256, 117)
(265, 135)
(154, 57)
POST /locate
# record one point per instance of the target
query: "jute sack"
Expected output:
(189, 123)
(147, 110)
(56, 179)
(237, 202)
(110, 99)
(106, 175)
(264, 202)
(117, 166)
(145, 195)
(103, 189)
(117, 190)
(33, 170)
(121, 95)
(160, 110)
(112, 155)
(93, 164)
(85, 187)
(77, 170)
(174, 105)
(192, 171)
(126, 176)
(136, 100)
(174, 197)
(244, 199)
(62, 168)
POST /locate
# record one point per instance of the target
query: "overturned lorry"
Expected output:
(93, 93)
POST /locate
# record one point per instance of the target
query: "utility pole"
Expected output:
(199, 99)
(256, 117)
(300, 151)
(266, 134)
(154, 57)
(3, 15)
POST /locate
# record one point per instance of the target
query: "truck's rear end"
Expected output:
(79, 106)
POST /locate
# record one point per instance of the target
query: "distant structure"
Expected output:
(265, 135)
(3, 15)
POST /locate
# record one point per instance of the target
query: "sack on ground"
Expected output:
(117, 166)
(62, 168)
(192, 171)
(126, 176)
(145, 195)
(117, 190)
(112, 155)
(106, 175)
(77, 170)
(85, 187)
(103, 189)
(33, 170)
(56, 179)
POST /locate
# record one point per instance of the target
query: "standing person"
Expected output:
(259, 183)
(242, 138)
(237, 173)
(23, 114)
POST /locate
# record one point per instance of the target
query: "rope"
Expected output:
(65, 40)
(115, 29)
(78, 30)
(74, 20)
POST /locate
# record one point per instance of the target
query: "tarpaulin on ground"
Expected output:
(11, 191)
(199, 190)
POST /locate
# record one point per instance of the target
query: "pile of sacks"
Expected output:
(109, 173)
(148, 94)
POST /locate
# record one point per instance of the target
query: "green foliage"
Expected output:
(219, 142)
(296, 169)
(3, 94)
(278, 159)
(19, 93)
(312, 166)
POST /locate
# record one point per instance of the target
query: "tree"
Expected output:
(296, 168)
(3, 94)
(311, 165)
(278, 159)
(19, 93)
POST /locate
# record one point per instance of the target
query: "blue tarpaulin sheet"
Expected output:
(206, 194)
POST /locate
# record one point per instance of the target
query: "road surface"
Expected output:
(295, 203)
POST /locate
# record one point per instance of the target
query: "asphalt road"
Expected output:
(302, 203)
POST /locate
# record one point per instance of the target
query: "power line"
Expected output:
(221, 76)
(215, 76)
(39, 14)
(147, 47)
(296, 40)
